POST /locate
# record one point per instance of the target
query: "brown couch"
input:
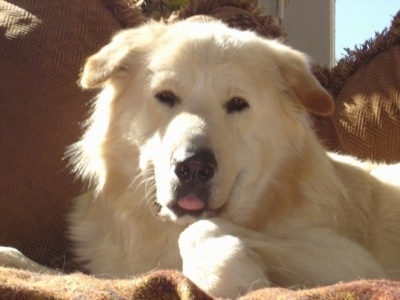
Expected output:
(42, 48)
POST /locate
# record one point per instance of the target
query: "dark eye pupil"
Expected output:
(236, 104)
(167, 98)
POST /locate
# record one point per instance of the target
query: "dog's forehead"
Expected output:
(200, 43)
(213, 49)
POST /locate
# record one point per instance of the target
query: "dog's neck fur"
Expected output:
(285, 194)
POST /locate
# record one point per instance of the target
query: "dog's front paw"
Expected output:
(218, 262)
(11, 257)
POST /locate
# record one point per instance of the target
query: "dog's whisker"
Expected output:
(146, 180)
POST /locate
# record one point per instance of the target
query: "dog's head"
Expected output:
(210, 112)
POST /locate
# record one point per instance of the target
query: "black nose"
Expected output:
(197, 169)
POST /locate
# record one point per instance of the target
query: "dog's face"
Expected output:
(211, 112)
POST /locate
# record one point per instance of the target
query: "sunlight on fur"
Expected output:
(201, 157)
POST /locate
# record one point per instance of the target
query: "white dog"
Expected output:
(201, 157)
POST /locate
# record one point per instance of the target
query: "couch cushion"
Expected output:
(42, 48)
(366, 86)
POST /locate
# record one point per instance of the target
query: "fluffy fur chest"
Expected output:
(121, 243)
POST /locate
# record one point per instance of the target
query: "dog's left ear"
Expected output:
(126, 49)
(294, 68)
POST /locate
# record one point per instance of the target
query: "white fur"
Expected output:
(280, 210)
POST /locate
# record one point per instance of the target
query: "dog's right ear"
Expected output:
(120, 55)
(294, 68)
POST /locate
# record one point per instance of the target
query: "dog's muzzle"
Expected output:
(194, 175)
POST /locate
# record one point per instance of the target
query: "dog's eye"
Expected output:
(236, 104)
(167, 98)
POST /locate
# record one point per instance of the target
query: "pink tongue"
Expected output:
(191, 202)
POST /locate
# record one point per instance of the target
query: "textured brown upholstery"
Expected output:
(367, 116)
(43, 45)
(366, 86)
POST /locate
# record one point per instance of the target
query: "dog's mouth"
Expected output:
(189, 202)
(189, 205)
(187, 209)
(184, 211)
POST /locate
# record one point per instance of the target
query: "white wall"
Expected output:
(310, 25)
